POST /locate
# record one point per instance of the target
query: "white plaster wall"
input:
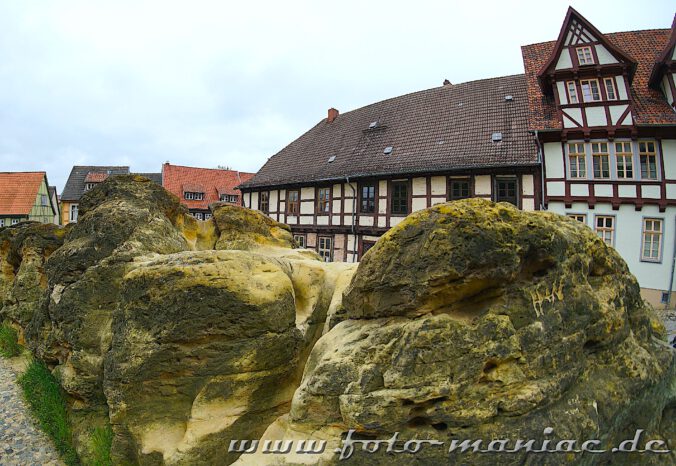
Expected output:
(307, 207)
(382, 188)
(254, 201)
(291, 219)
(438, 200)
(575, 114)
(616, 112)
(438, 185)
(246, 200)
(626, 190)
(528, 204)
(396, 221)
(418, 203)
(579, 189)
(667, 88)
(669, 157)
(273, 200)
(336, 219)
(365, 220)
(527, 185)
(650, 192)
(348, 206)
(382, 206)
(561, 88)
(321, 220)
(482, 185)
(419, 186)
(621, 88)
(382, 222)
(556, 188)
(309, 220)
(564, 61)
(604, 55)
(307, 193)
(336, 206)
(596, 116)
(554, 160)
(603, 190)
(336, 190)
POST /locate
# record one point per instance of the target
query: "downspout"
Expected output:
(671, 280)
(354, 208)
(542, 171)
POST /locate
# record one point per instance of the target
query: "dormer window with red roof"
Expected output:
(584, 56)
(232, 198)
(193, 196)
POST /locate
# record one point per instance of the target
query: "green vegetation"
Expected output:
(47, 403)
(101, 442)
(9, 342)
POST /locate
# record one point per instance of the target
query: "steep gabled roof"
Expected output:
(664, 59)
(212, 182)
(440, 129)
(650, 107)
(572, 16)
(75, 185)
(154, 177)
(18, 191)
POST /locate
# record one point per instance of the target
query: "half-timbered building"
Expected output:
(354, 175)
(601, 108)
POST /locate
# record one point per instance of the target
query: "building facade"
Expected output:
(25, 196)
(608, 140)
(197, 188)
(349, 179)
(85, 178)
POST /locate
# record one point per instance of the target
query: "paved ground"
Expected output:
(669, 319)
(21, 441)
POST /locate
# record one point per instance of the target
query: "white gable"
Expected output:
(605, 57)
(577, 34)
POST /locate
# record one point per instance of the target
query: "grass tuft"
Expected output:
(47, 403)
(101, 442)
(9, 342)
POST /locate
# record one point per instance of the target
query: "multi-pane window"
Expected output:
(207, 216)
(611, 93)
(576, 160)
(15, 221)
(2, 222)
(605, 228)
(264, 201)
(624, 160)
(193, 196)
(505, 190)
(367, 202)
(300, 239)
(458, 189)
(73, 213)
(44, 200)
(648, 157)
(293, 202)
(323, 200)
(89, 186)
(590, 90)
(232, 198)
(651, 249)
(601, 159)
(582, 218)
(399, 201)
(584, 56)
(325, 248)
(572, 92)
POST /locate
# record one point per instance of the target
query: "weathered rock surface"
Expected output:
(472, 320)
(469, 320)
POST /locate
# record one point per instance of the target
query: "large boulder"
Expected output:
(246, 229)
(474, 320)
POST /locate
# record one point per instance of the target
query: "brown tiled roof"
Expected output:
(441, 129)
(18, 192)
(178, 180)
(660, 65)
(95, 177)
(650, 106)
(74, 188)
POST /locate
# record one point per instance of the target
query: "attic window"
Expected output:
(193, 196)
(332, 158)
(496, 137)
(509, 98)
(388, 150)
(584, 56)
(373, 124)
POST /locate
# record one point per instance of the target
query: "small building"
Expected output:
(25, 196)
(351, 177)
(602, 109)
(54, 196)
(197, 188)
(85, 178)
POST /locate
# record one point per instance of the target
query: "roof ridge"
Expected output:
(206, 168)
(605, 34)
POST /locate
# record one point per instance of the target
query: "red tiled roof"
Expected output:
(95, 177)
(178, 179)
(650, 106)
(18, 192)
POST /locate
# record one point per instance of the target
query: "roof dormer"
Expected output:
(582, 51)
(663, 75)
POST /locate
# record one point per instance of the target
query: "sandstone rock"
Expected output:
(473, 320)
(246, 229)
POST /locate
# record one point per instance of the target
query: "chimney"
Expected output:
(333, 114)
(447, 82)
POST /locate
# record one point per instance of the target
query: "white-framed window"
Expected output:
(572, 92)
(300, 239)
(590, 90)
(624, 160)
(325, 248)
(582, 218)
(604, 226)
(651, 242)
(198, 215)
(73, 213)
(207, 216)
(15, 221)
(648, 157)
(577, 166)
(611, 92)
(2, 222)
(89, 186)
(44, 200)
(232, 198)
(601, 160)
(584, 55)
(193, 196)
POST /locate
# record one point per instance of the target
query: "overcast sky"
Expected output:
(208, 83)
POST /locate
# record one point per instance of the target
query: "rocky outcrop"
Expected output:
(472, 320)
(469, 320)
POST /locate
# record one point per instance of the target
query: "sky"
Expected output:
(225, 83)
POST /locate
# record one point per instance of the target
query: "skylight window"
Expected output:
(496, 137)
(388, 150)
